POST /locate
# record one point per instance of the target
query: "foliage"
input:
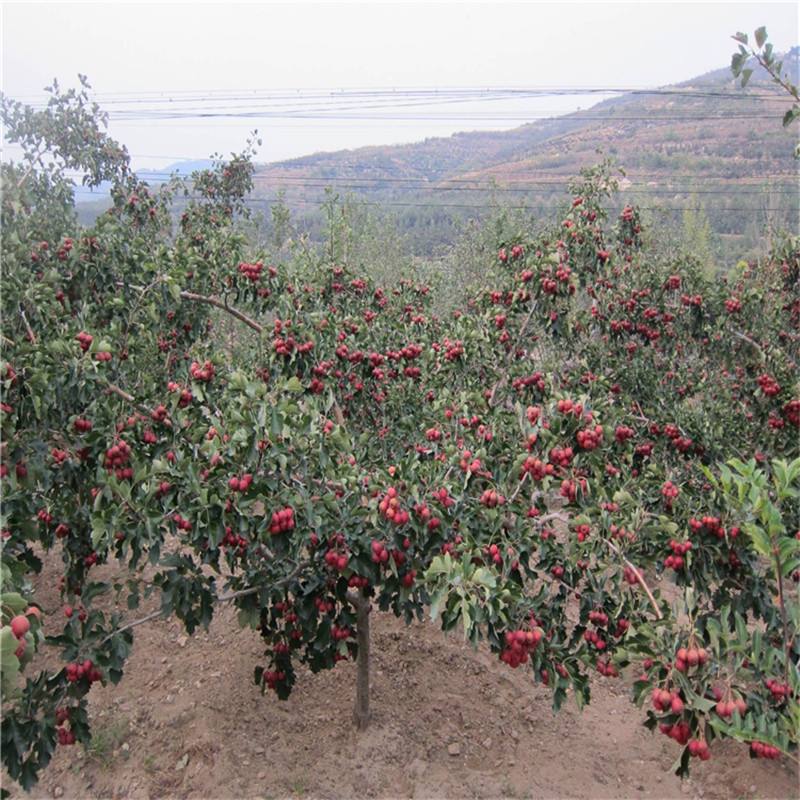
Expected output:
(539, 468)
(767, 60)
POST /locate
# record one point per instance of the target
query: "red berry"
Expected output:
(20, 626)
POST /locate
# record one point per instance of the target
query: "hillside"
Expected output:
(704, 144)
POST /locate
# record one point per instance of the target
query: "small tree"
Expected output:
(528, 469)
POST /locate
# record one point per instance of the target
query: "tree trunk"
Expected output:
(361, 711)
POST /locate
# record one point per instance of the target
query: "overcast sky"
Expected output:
(164, 48)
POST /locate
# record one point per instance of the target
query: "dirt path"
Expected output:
(449, 722)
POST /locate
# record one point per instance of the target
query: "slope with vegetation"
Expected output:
(702, 147)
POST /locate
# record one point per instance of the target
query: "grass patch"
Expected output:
(106, 739)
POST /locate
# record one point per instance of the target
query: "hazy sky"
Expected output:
(164, 48)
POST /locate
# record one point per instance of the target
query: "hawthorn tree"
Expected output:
(544, 469)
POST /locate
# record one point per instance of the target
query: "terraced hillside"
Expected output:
(704, 147)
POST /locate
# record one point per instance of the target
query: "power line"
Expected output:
(212, 95)
(520, 187)
(467, 117)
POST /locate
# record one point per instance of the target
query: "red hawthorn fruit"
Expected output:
(20, 626)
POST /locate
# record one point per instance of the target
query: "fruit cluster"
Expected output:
(769, 386)
(77, 671)
(491, 499)
(761, 750)
(337, 560)
(65, 735)
(493, 552)
(340, 634)
(590, 438)
(664, 700)
(323, 606)
(712, 525)
(669, 491)
(181, 524)
(687, 657)
(680, 731)
(241, 484)
(518, 645)
(186, 395)
(726, 708)
(561, 456)
(273, 677)
(679, 550)
(380, 555)
(469, 464)
(251, 271)
(536, 468)
(84, 340)
(391, 509)
(779, 691)
(594, 638)
(599, 618)
(282, 520)
(622, 433)
(698, 748)
(116, 458)
(204, 373)
(567, 406)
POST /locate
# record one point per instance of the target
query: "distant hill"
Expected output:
(704, 146)
(704, 143)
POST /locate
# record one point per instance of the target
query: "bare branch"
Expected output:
(112, 388)
(223, 598)
(209, 300)
(639, 578)
(28, 329)
(758, 347)
(217, 303)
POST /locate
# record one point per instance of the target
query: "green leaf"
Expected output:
(436, 604)
(756, 651)
(790, 116)
(484, 577)
(622, 498)
(760, 36)
(466, 616)
(759, 539)
(294, 385)
(99, 529)
(14, 601)
(8, 642)
(746, 75)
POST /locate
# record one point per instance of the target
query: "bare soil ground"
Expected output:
(448, 722)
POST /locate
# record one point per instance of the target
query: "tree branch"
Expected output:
(223, 598)
(28, 329)
(519, 487)
(639, 578)
(217, 303)
(612, 546)
(758, 347)
(112, 388)
(208, 299)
